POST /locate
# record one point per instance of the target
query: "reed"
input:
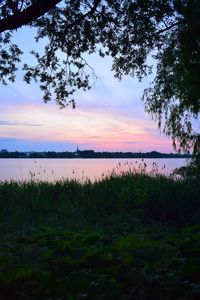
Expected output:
(114, 200)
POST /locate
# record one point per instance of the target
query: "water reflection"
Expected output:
(81, 169)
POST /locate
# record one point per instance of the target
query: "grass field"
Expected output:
(132, 236)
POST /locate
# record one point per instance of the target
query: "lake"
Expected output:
(81, 169)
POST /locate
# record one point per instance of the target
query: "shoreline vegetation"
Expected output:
(4, 153)
(127, 236)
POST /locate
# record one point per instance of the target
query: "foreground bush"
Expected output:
(48, 264)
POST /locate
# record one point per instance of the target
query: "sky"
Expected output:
(109, 117)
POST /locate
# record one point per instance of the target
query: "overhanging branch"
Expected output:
(28, 15)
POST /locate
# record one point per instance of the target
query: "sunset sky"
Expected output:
(109, 117)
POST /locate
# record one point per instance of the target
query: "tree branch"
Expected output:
(168, 27)
(28, 15)
(90, 12)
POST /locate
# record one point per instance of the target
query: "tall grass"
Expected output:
(114, 200)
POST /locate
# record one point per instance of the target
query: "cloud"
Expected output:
(17, 123)
(95, 137)
(130, 142)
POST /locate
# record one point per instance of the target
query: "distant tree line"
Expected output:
(90, 154)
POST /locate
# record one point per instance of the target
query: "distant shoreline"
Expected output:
(90, 154)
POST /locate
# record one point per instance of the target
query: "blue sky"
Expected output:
(109, 117)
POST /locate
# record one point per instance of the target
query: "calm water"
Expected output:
(55, 169)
